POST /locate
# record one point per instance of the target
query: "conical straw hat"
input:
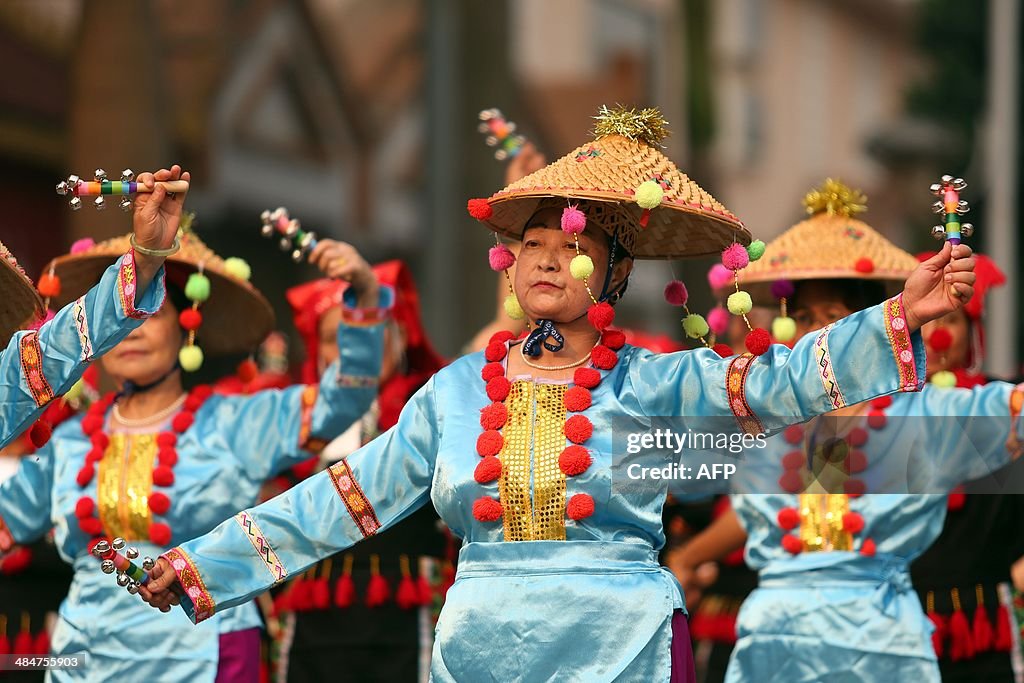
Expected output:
(687, 222)
(19, 301)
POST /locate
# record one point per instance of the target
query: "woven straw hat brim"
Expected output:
(827, 247)
(236, 317)
(689, 222)
(19, 301)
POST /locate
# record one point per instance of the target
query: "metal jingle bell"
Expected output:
(939, 232)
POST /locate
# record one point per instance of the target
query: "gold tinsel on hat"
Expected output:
(835, 199)
(647, 125)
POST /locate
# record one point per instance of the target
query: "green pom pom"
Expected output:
(238, 268)
(513, 309)
(783, 329)
(755, 250)
(944, 379)
(198, 287)
(695, 326)
(649, 194)
(581, 267)
(191, 358)
(739, 303)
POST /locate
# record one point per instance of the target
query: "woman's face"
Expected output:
(149, 351)
(956, 355)
(543, 284)
(815, 306)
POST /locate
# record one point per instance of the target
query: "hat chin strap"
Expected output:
(130, 388)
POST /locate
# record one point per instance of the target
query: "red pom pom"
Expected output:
(182, 421)
(580, 506)
(344, 592)
(486, 510)
(492, 370)
(574, 460)
(603, 357)
(876, 419)
(163, 476)
(93, 456)
(489, 443)
(577, 399)
(377, 591)
(167, 440)
(956, 499)
(40, 433)
(854, 487)
(791, 482)
(498, 388)
(758, 341)
(882, 402)
(578, 428)
(247, 371)
(588, 378)
(487, 470)
(675, 293)
(792, 545)
(495, 352)
(853, 522)
(202, 392)
(91, 424)
(85, 507)
(940, 340)
(90, 526)
(167, 457)
(159, 534)
(793, 460)
(723, 350)
(48, 285)
(479, 209)
(868, 548)
(788, 518)
(15, 562)
(864, 265)
(601, 315)
(857, 437)
(613, 339)
(159, 503)
(793, 434)
(494, 416)
(856, 461)
(85, 475)
(100, 440)
(190, 319)
(500, 337)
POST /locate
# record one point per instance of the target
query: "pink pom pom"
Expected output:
(574, 221)
(501, 258)
(719, 276)
(676, 294)
(735, 257)
(82, 245)
(718, 320)
(782, 289)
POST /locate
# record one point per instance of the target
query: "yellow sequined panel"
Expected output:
(124, 482)
(821, 522)
(532, 487)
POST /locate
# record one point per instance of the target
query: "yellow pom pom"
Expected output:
(783, 329)
(695, 326)
(944, 379)
(581, 267)
(75, 392)
(238, 268)
(649, 194)
(513, 309)
(191, 358)
(739, 303)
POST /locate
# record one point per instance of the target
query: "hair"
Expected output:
(855, 294)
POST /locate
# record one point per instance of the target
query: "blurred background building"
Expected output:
(359, 116)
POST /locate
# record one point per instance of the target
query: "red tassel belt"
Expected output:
(964, 631)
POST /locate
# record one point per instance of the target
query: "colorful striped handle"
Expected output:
(119, 187)
(500, 134)
(293, 237)
(951, 207)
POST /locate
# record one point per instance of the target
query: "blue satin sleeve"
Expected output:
(25, 497)
(371, 490)
(62, 349)
(863, 356)
(274, 429)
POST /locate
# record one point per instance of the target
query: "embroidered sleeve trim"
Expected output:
(355, 500)
(32, 368)
(307, 441)
(192, 582)
(736, 390)
(825, 370)
(126, 286)
(364, 317)
(262, 546)
(899, 340)
(82, 325)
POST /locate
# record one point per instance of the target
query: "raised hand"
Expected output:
(341, 260)
(157, 213)
(942, 284)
